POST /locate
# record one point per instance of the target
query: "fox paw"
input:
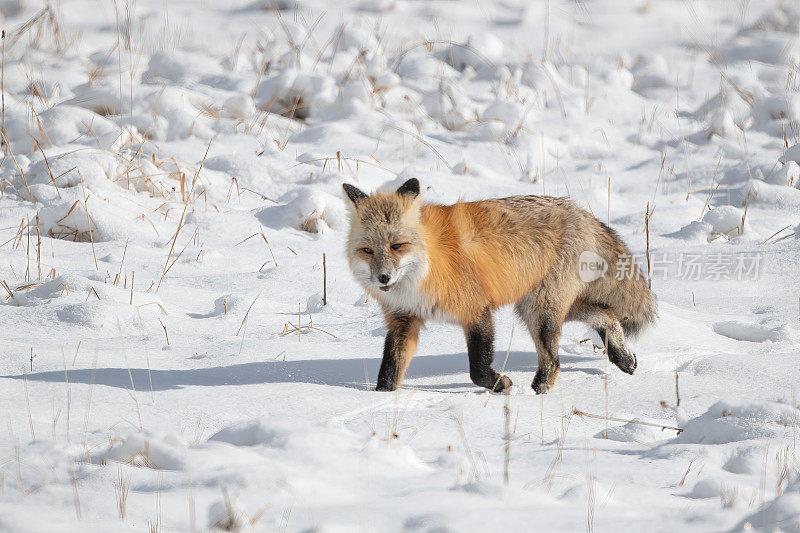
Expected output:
(500, 384)
(386, 387)
(543, 381)
(624, 360)
(494, 382)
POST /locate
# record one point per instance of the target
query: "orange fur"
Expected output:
(477, 258)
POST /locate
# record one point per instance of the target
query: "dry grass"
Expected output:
(167, 263)
(274, 260)
(474, 473)
(313, 222)
(506, 438)
(155, 526)
(121, 488)
(289, 328)
(583, 414)
(28, 404)
(591, 497)
(76, 500)
(243, 325)
(728, 496)
(44, 24)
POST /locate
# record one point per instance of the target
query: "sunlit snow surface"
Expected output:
(171, 181)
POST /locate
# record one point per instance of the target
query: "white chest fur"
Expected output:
(407, 298)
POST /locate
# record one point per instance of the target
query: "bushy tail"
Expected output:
(634, 304)
(625, 290)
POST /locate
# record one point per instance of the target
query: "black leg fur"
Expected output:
(480, 349)
(620, 356)
(547, 347)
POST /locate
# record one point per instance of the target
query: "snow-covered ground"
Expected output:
(171, 182)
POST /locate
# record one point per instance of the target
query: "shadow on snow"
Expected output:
(334, 372)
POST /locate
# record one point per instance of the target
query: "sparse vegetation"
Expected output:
(148, 150)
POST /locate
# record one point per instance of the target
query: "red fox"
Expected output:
(460, 262)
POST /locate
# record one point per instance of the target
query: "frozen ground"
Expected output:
(171, 180)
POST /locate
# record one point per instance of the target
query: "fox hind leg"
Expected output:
(544, 324)
(607, 325)
(480, 349)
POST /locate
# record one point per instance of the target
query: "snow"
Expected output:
(164, 210)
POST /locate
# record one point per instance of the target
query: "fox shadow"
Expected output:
(349, 373)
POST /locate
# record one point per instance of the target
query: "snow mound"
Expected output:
(767, 194)
(228, 304)
(705, 488)
(633, 432)
(394, 454)
(282, 435)
(694, 232)
(770, 112)
(65, 125)
(726, 220)
(726, 422)
(105, 173)
(295, 93)
(72, 288)
(791, 154)
(742, 331)
(481, 51)
(748, 460)
(239, 106)
(93, 221)
(36, 294)
(97, 314)
(180, 67)
(161, 452)
(309, 210)
(419, 66)
(781, 514)
(314, 303)
(102, 98)
(501, 119)
(228, 515)
(788, 175)
(254, 433)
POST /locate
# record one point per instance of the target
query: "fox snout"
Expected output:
(385, 275)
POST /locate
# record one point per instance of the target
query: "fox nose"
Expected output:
(384, 278)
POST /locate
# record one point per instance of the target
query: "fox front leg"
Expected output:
(398, 349)
(480, 349)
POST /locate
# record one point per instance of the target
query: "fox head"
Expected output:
(385, 247)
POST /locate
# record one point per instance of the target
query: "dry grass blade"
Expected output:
(289, 328)
(153, 303)
(183, 216)
(46, 162)
(777, 232)
(627, 421)
(243, 325)
(14, 158)
(121, 487)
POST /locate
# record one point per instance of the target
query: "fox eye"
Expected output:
(398, 245)
(367, 251)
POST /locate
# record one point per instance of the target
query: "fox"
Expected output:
(458, 263)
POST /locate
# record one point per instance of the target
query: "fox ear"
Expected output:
(411, 188)
(353, 193)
